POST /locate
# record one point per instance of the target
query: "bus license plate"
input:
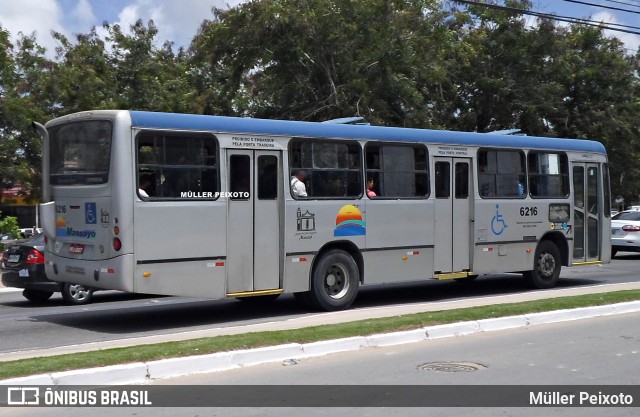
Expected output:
(76, 249)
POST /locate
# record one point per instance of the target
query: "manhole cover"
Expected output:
(451, 367)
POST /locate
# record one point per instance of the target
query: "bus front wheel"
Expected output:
(546, 266)
(335, 280)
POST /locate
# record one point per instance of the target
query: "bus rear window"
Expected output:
(80, 153)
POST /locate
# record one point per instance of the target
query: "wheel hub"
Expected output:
(336, 283)
(547, 265)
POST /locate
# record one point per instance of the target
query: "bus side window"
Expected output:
(332, 168)
(398, 171)
(181, 165)
(501, 173)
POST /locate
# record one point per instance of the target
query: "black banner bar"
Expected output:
(321, 396)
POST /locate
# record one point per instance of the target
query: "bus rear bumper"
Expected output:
(107, 274)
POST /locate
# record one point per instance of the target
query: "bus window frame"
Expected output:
(183, 134)
(566, 176)
(311, 170)
(414, 145)
(523, 158)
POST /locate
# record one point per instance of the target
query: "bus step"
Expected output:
(254, 293)
(453, 275)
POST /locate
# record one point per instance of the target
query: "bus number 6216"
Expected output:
(528, 211)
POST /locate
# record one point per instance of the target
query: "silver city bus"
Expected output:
(203, 206)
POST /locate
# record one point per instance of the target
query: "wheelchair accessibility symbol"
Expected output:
(498, 224)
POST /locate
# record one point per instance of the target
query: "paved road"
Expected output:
(599, 352)
(118, 319)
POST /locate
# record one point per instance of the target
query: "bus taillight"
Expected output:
(117, 244)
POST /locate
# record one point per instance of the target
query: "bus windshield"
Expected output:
(80, 153)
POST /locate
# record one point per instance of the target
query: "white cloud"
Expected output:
(83, 12)
(177, 21)
(28, 16)
(631, 41)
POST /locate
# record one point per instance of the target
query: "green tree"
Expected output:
(83, 78)
(322, 59)
(601, 101)
(22, 101)
(145, 77)
(9, 224)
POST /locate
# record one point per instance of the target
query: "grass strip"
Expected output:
(145, 353)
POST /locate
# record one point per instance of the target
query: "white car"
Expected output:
(30, 231)
(625, 232)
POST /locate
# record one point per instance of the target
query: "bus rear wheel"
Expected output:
(546, 266)
(334, 283)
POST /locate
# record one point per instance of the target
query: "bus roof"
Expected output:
(251, 126)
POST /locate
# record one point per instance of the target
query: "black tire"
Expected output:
(546, 266)
(37, 296)
(334, 282)
(76, 294)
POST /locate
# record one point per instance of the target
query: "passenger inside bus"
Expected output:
(298, 188)
(370, 186)
(145, 185)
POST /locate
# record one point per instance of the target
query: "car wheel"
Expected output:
(76, 294)
(546, 266)
(335, 280)
(37, 296)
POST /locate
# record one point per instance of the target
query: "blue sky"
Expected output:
(179, 20)
(600, 11)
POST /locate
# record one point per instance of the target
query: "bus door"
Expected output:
(254, 198)
(452, 215)
(586, 212)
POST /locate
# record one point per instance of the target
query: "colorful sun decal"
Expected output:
(349, 222)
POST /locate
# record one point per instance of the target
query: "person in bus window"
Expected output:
(370, 185)
(297, 184)
(144, 187)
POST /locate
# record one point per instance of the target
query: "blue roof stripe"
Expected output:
(156, 120)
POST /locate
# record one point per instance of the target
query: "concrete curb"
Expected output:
(142, 372)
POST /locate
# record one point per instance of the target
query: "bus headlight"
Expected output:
(559, 213)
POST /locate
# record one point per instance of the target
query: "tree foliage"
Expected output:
(416, 63)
